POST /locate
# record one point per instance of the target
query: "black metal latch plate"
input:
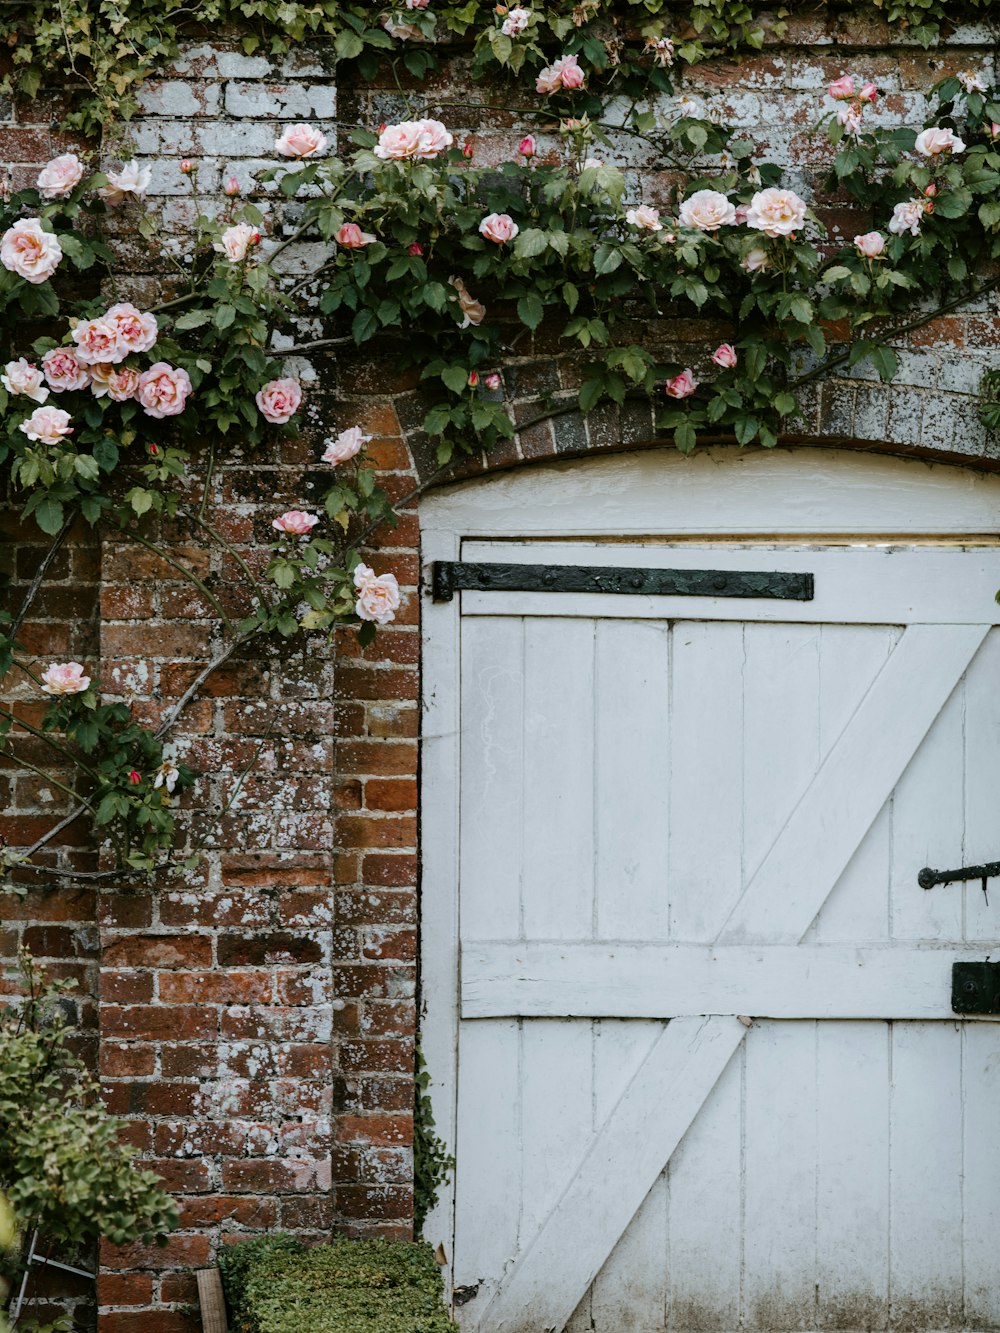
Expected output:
(975, 988)
(451, 576)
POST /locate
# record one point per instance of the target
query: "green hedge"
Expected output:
(274, 1284)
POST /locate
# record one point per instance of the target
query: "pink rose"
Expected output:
(994, 129)
(707, 210)
(644, 217)
(348, 443)
(849, 116)
(59, 177)
(47, 425)
(499, 228)
(871, 244)
(516, 21)
(163, 390)
(134, 179)
(22, 377)
(681, 386)
(279, 400)
(378, 595)
(231, 188)
(776, 212)
(235, 242)
(423, 139)
(300, 141)
(493, 382)
(351, 237)
(527, 146)
(933, 142)
(64, 678)
(295, 523)
(29, 251)
(187, 166)
(908, 217)
(868, 93)
(842, 89)
(97, 340)
(725, 356)
(136, 332)
(64, 370)
(417, 4)
(563, 73)
(119, 382)
(971, 81)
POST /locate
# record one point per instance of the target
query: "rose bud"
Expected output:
(153, 448)
(187, 166)
(527, 146)
(492, 382)
(415, 249)
(931, 191)
(467, 150)
(232, 187)
(473, 378)
(135, 778)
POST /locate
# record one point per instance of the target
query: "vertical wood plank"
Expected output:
(981, 1173)
(852, 1217)
(928, 826)
(780, 1173)
(629, 1293)
(558, 819)
(706, 777)
(982, 789)
(491, 777)
(631, 776)
(705, 1222)
(926, 1176)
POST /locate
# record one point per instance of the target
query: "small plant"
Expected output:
(432, 1163)
(63, 1170)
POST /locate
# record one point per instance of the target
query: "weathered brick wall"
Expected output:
(257, 1019)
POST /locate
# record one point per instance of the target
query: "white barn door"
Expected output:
(688, 1007)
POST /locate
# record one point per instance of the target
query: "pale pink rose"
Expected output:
(424, 139)
(868, 93)
(499, 228)
(516, 21)
(163, 390)
(295, 523)
(776, 212)
(119, 382)
(527, 146)
(351, 237)
(64, 370)
(137, 332)
(134, 179)
(871, 245)
(842, 89)
(60, 177)
(681, 386)
(378, 595)
(30, 252)
(348, 443)
(48, 425)
(64, 678)
(755, 260)
(417, 4)
(300, 141)
(849, 116)
(994, 129)
(22, 377)
(689, 107)
(644, 217)
(908, 217)
(406, 32)
(563, 73)
(725, 356)
(707, 210)
(740, 217)
(933, 142)
(235, 242)
(662, 50)
(473, 311)
(279, 400)
(97, 340)
(972, 82)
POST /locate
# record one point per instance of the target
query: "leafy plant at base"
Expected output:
(62, 1167)
(432, 1162)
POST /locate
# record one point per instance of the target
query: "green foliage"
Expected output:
(276, 1285)
(432, 1163)
(62, 1167)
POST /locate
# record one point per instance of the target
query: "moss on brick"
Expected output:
(274, 1284)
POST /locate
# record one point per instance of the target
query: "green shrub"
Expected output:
(276, 1285)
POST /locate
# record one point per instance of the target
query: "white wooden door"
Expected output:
(708, 1076)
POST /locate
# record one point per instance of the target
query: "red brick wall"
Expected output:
(256, 1020)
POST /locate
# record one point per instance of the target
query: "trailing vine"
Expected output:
(114, 414)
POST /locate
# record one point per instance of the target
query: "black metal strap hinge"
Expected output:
(451, 576)
(928, 878)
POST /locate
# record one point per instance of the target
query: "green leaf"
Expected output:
(140, 500)
(591, 393)
(885, 361)
(456, 378)
(49, 515)
(192, 319)
(364, 325)
(224, 316)
(530, 243)
(530, 310)
(607, 258)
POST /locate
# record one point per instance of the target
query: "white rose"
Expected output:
(707, 210)
(933, 142)
(646, 218)
(776, 212)
(134, 178)
(22, 377)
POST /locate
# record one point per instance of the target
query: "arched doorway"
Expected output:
(688, 1006)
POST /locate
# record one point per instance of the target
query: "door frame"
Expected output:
(654, 496)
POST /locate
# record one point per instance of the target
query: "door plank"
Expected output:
(623, 1160)
(597, 980)
(852, 784)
